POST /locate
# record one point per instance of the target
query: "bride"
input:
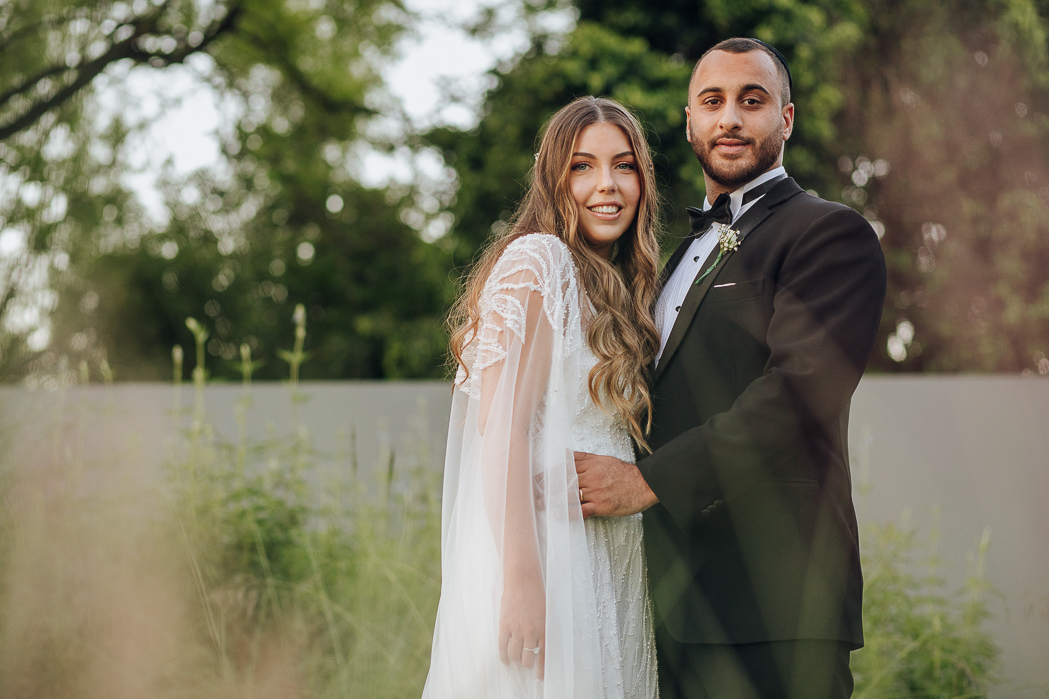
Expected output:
(552, 337)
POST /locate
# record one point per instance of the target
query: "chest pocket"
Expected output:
(735, 291)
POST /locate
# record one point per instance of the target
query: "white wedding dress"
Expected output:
(511, 500)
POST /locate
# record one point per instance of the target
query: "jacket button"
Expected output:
(705, 513)
(716, 504)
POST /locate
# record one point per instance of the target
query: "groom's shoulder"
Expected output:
(808, 207)
(809, 199)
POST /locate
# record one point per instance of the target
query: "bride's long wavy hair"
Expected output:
(622, 288)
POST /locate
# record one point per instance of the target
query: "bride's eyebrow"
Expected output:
(591, 155)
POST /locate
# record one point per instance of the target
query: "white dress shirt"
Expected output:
(673, 295)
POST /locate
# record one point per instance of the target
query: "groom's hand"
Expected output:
(609, 487)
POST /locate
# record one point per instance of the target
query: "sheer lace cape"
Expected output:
(510, 490)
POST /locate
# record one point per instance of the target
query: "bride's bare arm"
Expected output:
(512, 392)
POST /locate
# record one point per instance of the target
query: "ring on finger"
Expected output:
(532, 650)
(580, 495)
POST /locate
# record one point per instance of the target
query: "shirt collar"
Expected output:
(736, 197)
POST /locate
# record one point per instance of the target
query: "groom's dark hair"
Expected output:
(744, 45)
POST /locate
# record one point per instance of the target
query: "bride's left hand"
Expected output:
(522, 623)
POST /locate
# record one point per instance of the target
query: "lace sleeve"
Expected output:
(536, 263)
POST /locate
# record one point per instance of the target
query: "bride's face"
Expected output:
(605, 185)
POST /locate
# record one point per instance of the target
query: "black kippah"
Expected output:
(782, 60)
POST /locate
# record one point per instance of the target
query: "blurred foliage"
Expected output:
(285, 540)
(920, 640)
(931, 118)
(493, 160)
(955, 97)
(282, 220)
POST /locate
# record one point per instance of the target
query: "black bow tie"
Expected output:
(721, 212)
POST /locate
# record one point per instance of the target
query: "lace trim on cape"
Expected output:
(550, 272)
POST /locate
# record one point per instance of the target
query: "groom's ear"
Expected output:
(688, 125)
(788, 121)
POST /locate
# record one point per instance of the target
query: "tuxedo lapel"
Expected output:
(755, 216)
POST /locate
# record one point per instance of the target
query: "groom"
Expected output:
(750, 530)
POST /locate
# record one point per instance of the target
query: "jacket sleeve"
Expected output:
(826, 310)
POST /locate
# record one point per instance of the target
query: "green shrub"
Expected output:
(921, 642)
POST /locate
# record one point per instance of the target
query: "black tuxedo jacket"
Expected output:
(754, 537)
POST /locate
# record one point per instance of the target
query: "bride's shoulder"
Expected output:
(545, 255)
(539, 241)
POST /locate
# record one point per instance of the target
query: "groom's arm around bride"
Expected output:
(749, 524)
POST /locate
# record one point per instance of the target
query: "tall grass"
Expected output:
(266, 568)
(236, 576)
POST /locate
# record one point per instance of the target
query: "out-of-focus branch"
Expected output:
(9, 295)
(18, 33)
(29, 83)
(315, 93)
(10, 285)
(85, 74)
(131, 47)
(277, 51)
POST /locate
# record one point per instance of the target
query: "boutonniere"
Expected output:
(728, 240)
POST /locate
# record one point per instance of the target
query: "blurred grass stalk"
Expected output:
(232, 577)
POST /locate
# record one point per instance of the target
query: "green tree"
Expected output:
(930, 118)
(283, 220)
(954, 99)
(55, 189)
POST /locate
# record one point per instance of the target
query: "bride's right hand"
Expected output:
(522, 623)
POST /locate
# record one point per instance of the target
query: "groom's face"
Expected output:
(736, 122)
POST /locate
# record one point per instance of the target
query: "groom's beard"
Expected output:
(733, 174)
